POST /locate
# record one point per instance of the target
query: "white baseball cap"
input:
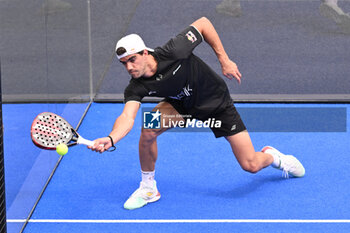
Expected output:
(132, 44)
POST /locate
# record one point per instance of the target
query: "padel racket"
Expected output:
(49, 130)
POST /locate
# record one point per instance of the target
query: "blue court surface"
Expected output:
(202, 186)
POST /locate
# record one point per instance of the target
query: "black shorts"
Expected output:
(231, 122)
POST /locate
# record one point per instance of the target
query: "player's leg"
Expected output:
(148, 153)
(246, 156)
(253, 161)
(148, 150)
(234, 130)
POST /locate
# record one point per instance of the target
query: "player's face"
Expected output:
(135, 64)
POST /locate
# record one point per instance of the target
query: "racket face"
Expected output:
(49, 130)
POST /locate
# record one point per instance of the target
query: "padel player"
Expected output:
(189, 88)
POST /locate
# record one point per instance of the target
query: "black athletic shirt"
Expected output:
(182, 76)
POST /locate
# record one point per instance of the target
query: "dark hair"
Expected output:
(122, 50)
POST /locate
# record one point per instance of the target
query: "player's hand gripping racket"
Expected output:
(49, 130)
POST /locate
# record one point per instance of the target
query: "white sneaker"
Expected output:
(230, 7)
(288, 163)
(143, 195)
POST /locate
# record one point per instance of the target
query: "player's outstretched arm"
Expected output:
(121, 127)
(206, 28)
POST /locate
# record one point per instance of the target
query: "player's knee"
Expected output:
(148, 135)
(250, 166)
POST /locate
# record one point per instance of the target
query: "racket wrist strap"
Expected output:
(113, 146)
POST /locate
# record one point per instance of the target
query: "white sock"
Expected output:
(276, 159)
(148, 177)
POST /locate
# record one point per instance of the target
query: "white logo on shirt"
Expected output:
(233, 127)
(191, 37)
(159, 77)
(186, 91)
(174, 72)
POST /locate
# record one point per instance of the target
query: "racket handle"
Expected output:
(85, 141)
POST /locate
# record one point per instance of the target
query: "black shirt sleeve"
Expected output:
(134, 91)
(181, 46)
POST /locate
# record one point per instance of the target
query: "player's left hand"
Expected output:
(230, 70)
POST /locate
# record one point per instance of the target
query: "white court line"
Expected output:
(181, 221)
